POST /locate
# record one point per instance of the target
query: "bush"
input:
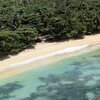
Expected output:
(13, 42)
(9, 43)
(27, 35)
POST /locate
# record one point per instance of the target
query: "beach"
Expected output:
(77, 76)
(44, 50)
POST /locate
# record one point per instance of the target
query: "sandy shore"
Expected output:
(44, 49)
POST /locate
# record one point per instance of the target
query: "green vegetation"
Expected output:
(22, 22)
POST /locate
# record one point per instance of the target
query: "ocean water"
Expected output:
(74, 78)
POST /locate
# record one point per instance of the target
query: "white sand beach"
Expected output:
(44, 50)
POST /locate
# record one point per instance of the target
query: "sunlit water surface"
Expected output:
(74, 78)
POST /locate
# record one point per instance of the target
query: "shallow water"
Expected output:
(74, 78)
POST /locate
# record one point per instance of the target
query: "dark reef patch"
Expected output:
(6, 90)
(67, 86)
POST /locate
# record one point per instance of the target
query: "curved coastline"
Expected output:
(71, 50)
(67, 50)
(49, 50)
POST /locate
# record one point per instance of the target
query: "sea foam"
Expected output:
(67, 50)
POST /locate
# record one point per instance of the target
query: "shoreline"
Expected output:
(46, 50)
(67, 50)
(36, 59)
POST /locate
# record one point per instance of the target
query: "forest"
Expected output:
(23, 23)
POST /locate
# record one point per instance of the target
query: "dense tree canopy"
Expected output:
(22, 22)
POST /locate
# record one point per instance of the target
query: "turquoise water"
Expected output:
(74, 78)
